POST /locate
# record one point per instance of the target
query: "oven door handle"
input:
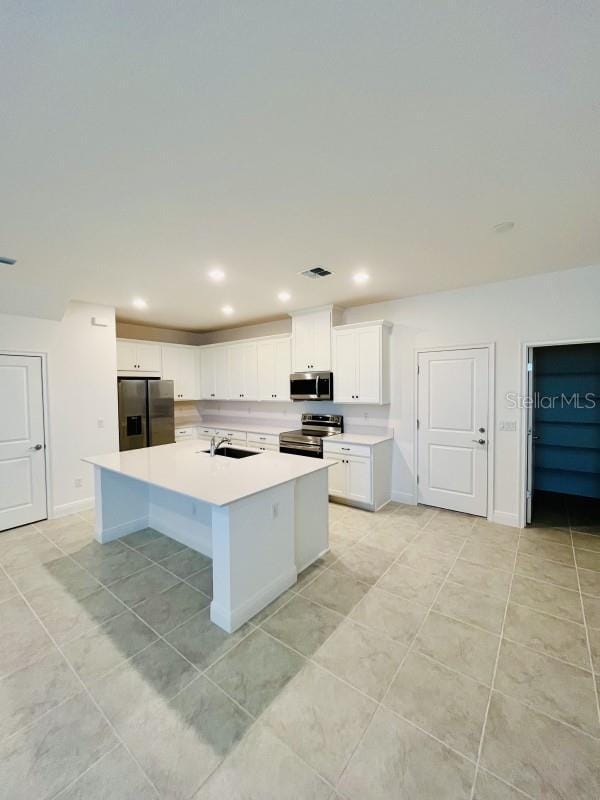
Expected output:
(298, 446)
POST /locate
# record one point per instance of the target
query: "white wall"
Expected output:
(81, 371)
(543, 308)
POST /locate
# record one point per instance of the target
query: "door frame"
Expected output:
(491, 348)
(523, 443)
(45, 416)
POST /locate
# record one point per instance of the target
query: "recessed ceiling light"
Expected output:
(138, 302)
(284, 296)
(360, 277)
(216, 274)
(504, 227)
(10, 261)
(227, 310)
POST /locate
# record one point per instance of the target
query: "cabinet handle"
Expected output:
(345, 448)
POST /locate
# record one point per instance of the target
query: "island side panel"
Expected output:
(121, 505)
(184, 519)
(311, 518)
(253, 555)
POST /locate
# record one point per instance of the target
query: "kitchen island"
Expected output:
(262, 518)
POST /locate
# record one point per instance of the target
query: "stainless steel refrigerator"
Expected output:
(146, 412)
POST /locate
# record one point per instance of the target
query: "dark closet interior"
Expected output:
(566, 429)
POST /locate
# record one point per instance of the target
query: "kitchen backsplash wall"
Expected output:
(359, 419)
(188, 413)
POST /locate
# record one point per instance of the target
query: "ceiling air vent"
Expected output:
(316, 272)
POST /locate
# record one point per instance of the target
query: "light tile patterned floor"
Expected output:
(430, 655)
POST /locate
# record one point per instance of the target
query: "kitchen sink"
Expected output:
(232, 452)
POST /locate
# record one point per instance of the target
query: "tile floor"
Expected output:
(430, 655)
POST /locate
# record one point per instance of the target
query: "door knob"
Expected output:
(478, 441)
(36, 447)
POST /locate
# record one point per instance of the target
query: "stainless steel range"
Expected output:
(308, 440)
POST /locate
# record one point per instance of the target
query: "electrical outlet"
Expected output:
(78, 483)
(100, 423)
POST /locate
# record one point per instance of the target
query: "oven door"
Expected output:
(296, 449)
(311, 386)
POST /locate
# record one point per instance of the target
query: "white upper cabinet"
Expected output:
(135, 356)
(222, 373)
(243, 367)
(361, 363)
(274, 367)
(311, 339)
(208, 373)
(180, 366)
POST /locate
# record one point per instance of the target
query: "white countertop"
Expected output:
(184, 469)
(360, 438)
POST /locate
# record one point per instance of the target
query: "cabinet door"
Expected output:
(321, 352)
(126, 355)
(344, 370)
(359, 479)
(207, 374)
(303, 336)
(250, 371)
(222, 390)
(283, 367)
(236, 371)
(265, 354)
(337, 476)
(368, 357)
(171, 357)
(170, 372)
(149, 356)
(187, 375)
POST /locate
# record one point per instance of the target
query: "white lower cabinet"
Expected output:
(206, 433)
(263, 441)
(361, 474)
(182, 434)
(350, 478)
(237, 437)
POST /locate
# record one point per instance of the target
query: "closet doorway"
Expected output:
(563, 436)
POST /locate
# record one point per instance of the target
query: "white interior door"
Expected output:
(22, 441)
(453, 429)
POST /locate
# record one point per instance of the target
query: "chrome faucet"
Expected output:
(214, 446)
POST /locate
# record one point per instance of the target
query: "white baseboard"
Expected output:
(404, 497)
(505, 518)
(131, 526)
(74, 507)
(231, 621)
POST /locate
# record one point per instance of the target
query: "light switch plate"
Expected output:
(507, 425)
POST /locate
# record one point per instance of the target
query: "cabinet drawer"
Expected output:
(341, 448)
(206, 433)
(235, 436)
(185, 433)
(263, 439)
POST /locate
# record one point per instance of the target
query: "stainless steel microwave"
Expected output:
(311, 386)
